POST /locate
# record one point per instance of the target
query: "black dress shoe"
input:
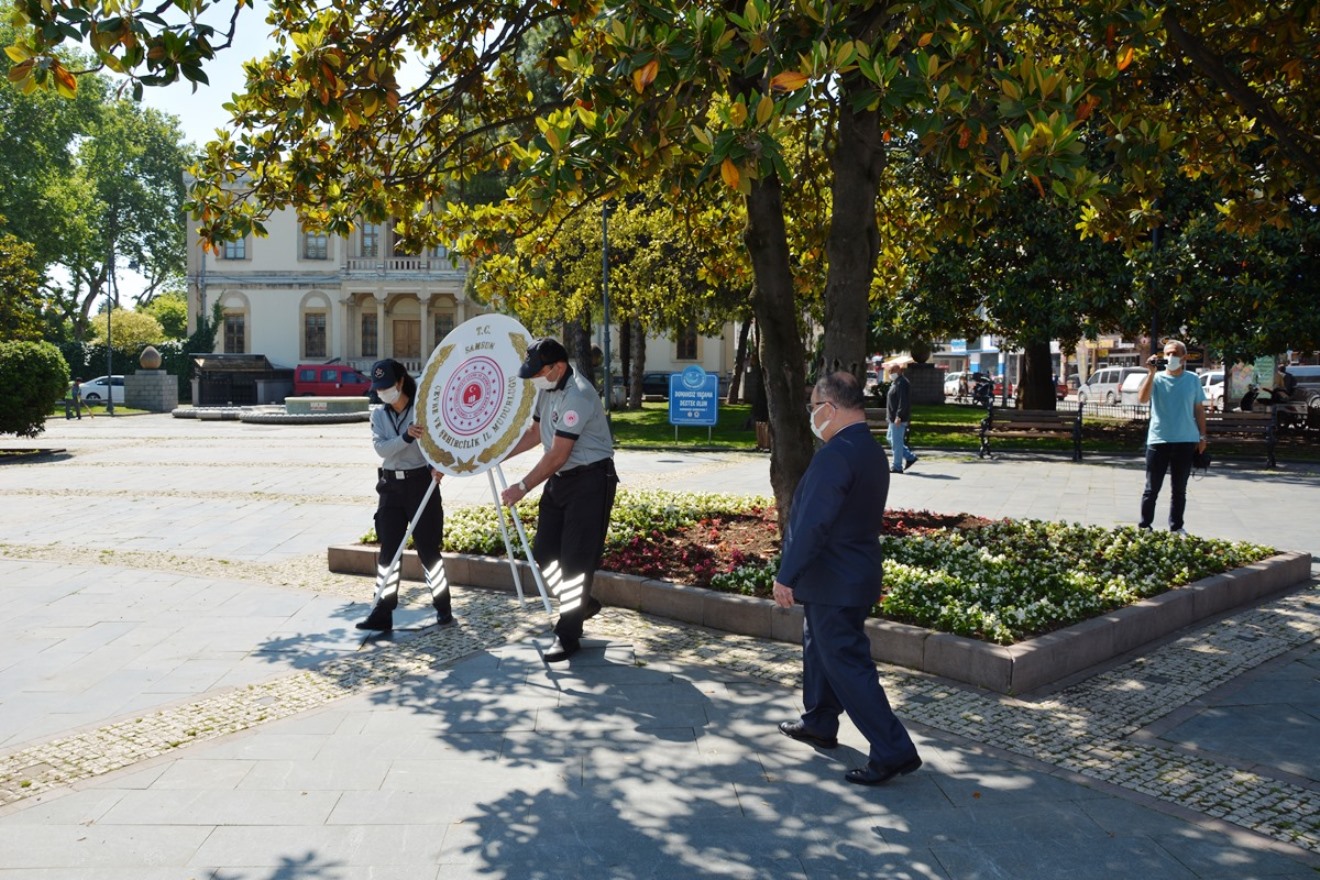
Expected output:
(896, 470)
(562, 649)
(879, 774)
(798, 731)
(381, 619)
(446, 619)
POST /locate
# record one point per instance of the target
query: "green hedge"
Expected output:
(33, 376)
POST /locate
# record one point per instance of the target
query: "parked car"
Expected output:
(103, 388)
(1212, 382)
(951, 383)
(1105, 385)
(1129, 393)
(656, 384)
(329, 380)
(1304, 402)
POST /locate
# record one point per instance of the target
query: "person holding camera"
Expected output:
(1177, 430)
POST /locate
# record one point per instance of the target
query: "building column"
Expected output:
(342, 328)
(428, 324)
(379, 296)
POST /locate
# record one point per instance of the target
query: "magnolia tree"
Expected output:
(576, 101)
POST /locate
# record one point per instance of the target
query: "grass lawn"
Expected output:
(951, 427)
(649, 427)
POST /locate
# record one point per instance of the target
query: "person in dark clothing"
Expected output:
(899, 413)
(832, 566)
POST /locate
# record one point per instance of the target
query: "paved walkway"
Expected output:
(186, 697)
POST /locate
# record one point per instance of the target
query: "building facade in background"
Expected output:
(300, 297)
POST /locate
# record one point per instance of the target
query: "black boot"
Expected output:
(444, 615)
(381, 618)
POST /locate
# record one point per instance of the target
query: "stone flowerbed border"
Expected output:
(1006, 669)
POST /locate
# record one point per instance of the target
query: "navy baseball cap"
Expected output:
(384, 374)
(540, 355)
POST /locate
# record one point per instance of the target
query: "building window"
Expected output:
(687, 343)
(315, 246)
(235, 333)
(314, 335)
(234, 250)
(369, 335)
(371, 240)
(444, 323)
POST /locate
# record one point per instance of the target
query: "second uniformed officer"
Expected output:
(577, 467)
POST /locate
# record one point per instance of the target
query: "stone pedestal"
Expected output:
(151, 390)
(927, 383)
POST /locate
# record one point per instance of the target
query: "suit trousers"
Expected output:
(572, 519)
(838, 675)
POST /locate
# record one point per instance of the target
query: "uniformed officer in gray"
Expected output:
(401, 483)
(577, 468)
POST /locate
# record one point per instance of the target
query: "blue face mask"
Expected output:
(1175, 362)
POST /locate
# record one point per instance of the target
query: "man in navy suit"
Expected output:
(832, 566)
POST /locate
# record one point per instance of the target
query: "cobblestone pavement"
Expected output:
(1117, 730)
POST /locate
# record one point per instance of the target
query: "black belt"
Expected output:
(410, 473)
(602, 464)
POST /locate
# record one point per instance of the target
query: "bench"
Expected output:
(1032, 423)
(1246, 427)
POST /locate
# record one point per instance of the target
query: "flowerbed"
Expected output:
(996, 581)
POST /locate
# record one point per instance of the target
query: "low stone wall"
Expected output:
(1006, 669)
(326, 405)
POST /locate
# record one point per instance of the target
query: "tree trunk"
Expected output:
(739, 362)
(782, 352)
(625, 357)
(1037, 379)
(638, 331)
(854, 240)
(579, 347)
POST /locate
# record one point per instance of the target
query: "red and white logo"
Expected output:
(472, 396)
(571, 418)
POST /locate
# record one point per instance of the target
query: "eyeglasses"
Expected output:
(811, 407)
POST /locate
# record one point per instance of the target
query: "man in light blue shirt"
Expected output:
(1177, 431)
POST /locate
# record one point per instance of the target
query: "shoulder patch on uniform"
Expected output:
(571, 418)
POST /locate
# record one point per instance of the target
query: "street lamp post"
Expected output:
(109, 337)
(605, 294)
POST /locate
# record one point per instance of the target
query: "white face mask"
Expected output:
(818, 431)
(542, 383)
(388, 395)
(1175, 362)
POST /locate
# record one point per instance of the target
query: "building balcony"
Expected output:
(419, 265)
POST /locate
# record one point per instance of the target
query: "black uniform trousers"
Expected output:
(572, 519)
(838, 675)
(398, 500)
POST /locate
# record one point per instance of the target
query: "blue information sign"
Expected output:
(694, 397)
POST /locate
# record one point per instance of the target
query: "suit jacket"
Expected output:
(832, 549)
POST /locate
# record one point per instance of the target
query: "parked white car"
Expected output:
(1212, 382)
(102, 387)
(1129, 393)
(951, 384)
(1105, 384)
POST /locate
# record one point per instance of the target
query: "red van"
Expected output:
(329, 380)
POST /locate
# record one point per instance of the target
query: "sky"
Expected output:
(200, 113)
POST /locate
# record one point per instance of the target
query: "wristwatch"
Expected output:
(522, 487)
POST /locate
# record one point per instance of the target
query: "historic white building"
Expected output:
(301, 297)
